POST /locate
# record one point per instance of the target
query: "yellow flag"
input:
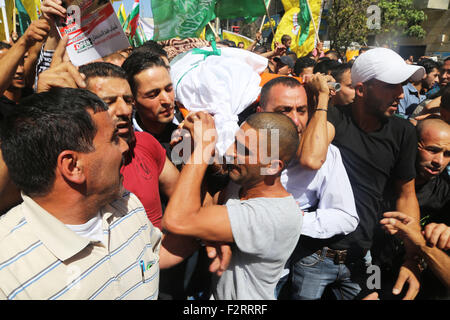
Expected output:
(290, 24)
(289, 4)
(30, 7)
(9, 6)
(121, 14)
(236, 38)
(202, 34)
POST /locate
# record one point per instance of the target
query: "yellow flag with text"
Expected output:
(236, 38)
(302, 24)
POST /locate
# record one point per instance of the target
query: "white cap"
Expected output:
(384, 65)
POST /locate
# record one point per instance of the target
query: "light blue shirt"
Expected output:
(412, 98)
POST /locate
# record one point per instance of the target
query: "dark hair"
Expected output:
(140, 61)
(302, 63)
(323, 59)
(260, 49)
(293, 55)
(42, 126)
(363, 49)
(428, 64)
(334, 53)
(285, 38)
(287, 132)
(284, 80)
(102, 70)
(4, 45)
(228, 43)
(338, 71)
(326, 66)
(152, 47)
(445, 98)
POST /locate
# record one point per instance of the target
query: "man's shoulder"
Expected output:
(401, 125)
(146, 143)
(338, 113)
(11, 220)
(143, 137)
(128, 203)
(333, 158)
(267, 204)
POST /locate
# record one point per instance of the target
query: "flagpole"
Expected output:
(314, 22)
(268, 15)
(14, 17)
(262, 23)
(214, 31)
(5, 21)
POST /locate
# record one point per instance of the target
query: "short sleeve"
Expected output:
(251, 226)
(334, 116)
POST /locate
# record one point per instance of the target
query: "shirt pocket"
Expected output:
(148, 267)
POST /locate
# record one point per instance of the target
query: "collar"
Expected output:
(60, 240)
(411, 88)
(137, 127)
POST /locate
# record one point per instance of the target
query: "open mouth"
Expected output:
(19, 79)
(167, 112)
(123, 127)
(433, 171)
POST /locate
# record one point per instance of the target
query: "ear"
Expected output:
(259, 109)
(70, 166)
(359, 89)
(274, 168)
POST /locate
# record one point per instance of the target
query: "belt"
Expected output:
(340, 256)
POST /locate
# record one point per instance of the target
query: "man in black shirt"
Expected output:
(433, 191)
(433, 194)
(376, 148)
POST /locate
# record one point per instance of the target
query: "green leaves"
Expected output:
(348, 21)
(399, 18)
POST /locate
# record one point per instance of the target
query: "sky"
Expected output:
(128, 4)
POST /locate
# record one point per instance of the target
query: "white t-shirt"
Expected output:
(91, 229)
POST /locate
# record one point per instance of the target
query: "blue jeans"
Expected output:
(311, 272)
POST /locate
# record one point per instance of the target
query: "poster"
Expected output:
(93, 28)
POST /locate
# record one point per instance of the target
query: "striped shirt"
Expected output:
(41, 258)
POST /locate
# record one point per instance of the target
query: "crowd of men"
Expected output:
(353, 205)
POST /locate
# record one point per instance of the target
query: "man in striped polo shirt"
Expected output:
(77, 234)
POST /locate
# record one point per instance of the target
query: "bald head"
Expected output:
(433, 148)
(287, 132)
(432, 127)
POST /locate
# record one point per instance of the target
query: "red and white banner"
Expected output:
(93, 28)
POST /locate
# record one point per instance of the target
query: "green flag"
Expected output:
(304, 20)
(248, 9)
(181, 18)
(24, 18)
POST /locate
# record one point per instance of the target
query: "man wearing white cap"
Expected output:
(378, 150)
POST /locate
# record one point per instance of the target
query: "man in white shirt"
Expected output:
(325, 195)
